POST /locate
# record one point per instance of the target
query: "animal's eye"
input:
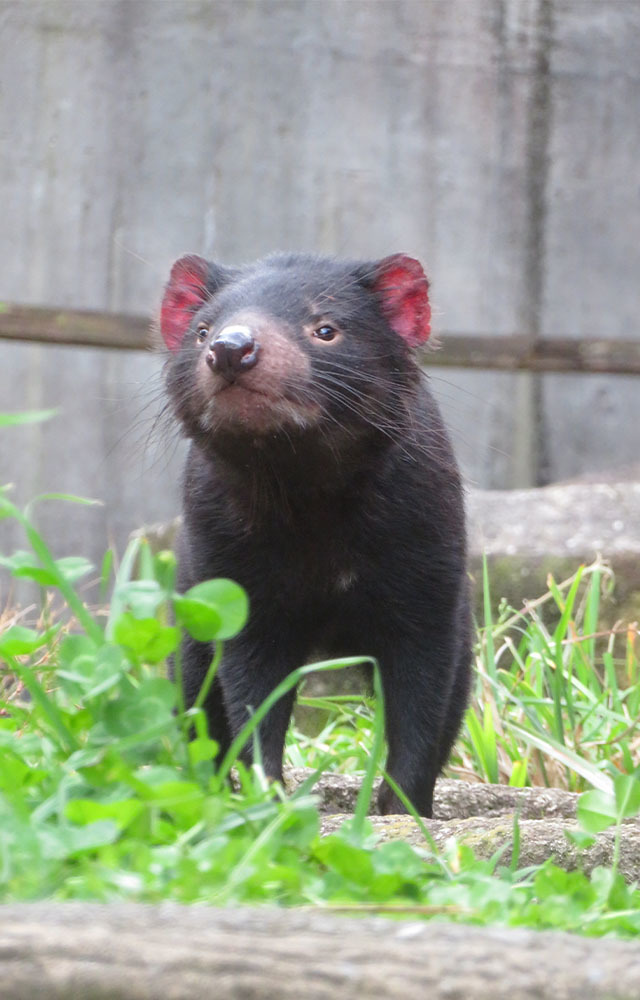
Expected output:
(202, 332)
(324, 332)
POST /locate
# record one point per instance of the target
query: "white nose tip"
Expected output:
(233, 331)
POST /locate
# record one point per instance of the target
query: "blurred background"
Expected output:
(496, 140)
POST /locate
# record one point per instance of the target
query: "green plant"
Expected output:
(554, 704)
(111, 790)
(102, 791)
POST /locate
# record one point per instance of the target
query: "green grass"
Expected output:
(104, 796)
(556, 701)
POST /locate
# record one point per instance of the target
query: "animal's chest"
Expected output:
(311, 567)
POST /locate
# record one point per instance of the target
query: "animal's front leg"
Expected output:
(425, 693)
(196, 659)
(248, 674)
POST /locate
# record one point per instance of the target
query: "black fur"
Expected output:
(347, 532)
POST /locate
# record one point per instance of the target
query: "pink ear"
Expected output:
(404, 295)
(184, 293)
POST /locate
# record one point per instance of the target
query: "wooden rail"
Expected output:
(518, 352)
(75, 326)
(515, 352)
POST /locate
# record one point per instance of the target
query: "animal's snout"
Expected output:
(232, 351)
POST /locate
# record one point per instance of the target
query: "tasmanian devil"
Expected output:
(321, 478)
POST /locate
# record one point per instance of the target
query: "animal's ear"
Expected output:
(403, 292)
(191, 282)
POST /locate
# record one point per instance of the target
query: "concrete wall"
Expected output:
(497, 140)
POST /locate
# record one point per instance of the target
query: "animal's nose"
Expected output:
(232, 351)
